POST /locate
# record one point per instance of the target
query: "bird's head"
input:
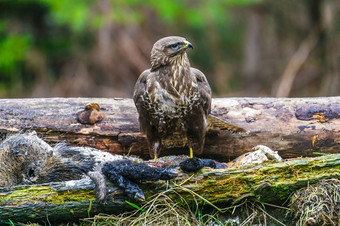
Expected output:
(169, 50)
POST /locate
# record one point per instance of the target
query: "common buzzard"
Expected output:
(173, 99)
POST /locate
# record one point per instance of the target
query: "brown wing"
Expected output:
(148, 124)
(197, 122)
(139, 96)
(140, 87)
(203, 89)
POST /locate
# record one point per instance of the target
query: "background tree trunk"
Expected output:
(292, 126)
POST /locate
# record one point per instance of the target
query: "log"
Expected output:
(71, 200)
(293, 126)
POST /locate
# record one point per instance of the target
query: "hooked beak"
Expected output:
(188, 45)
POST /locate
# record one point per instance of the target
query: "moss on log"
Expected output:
(293, 126)
(68, 201)
(271, 182)
(54, 202)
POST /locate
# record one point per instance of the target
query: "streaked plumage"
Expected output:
(173, 99)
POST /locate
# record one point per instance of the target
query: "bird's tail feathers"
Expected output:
(215, 122)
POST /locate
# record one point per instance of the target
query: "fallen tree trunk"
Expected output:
(69, 201)
(292, 126)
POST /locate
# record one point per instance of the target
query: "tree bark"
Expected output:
(71, 200)
(292, 126)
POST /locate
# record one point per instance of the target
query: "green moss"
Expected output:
(45, 193)
(279, 179)
(278, 192)
(72, 196)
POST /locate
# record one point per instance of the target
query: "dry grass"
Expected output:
(160, 210)
(163, 210)
(257, 214)
(317, 204)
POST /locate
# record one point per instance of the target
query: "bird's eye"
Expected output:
(174, 46)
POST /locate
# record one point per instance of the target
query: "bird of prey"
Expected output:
(173, 99)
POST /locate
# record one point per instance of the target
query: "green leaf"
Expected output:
(13, 49)
(134, 206)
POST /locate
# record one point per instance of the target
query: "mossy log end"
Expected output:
(269, 182)
(293, 126)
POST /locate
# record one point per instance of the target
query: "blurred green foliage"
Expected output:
(70, 13)
(13, 49)
(60, 29)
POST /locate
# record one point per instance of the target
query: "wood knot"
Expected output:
(90, 115)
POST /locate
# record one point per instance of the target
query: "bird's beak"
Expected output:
(188, 45)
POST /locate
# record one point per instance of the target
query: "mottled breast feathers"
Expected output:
(168, 94)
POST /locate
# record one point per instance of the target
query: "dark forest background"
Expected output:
(75, 48)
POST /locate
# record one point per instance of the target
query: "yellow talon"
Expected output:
(191, 153)
(155, 159)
